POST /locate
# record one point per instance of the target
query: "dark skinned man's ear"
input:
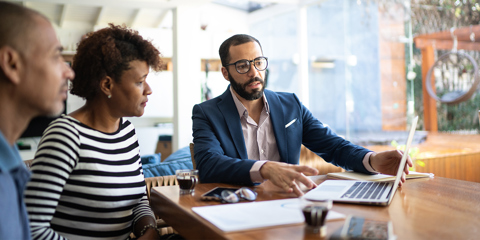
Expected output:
(10, 64)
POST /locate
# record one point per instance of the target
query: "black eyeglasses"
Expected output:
(243, 66)
(235, 196)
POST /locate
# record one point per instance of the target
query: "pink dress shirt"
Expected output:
(260, 139)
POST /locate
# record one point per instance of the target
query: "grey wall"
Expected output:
(336, 30)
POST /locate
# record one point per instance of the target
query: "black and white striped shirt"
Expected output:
(86, 184)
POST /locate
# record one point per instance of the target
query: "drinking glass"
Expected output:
(315, 213)
(187, 180)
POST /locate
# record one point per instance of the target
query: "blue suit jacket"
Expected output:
(220, 152)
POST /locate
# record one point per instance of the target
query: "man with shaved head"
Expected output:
(33, 82)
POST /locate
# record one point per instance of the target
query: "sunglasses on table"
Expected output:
(229, 196)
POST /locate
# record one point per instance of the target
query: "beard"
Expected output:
(240, 88)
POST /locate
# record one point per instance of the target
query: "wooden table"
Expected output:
(436, 208)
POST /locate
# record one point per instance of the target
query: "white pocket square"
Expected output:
(290, 123)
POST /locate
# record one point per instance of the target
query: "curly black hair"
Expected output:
(108, 52)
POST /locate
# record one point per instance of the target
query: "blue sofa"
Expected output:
(152, 167)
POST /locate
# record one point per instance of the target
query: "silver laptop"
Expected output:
(362, 192)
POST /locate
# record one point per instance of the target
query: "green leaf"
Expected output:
(458, 12)
(413, 152)
(420, 163)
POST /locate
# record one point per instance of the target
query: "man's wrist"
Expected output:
(367, 162)
(255, 174)
(370, 161)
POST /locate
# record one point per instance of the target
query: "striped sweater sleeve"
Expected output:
(55, 159)
(142, 209)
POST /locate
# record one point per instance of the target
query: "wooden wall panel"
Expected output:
(457, 166)
(430, 114)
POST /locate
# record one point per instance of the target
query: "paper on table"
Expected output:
(376, 177)
(243, 216)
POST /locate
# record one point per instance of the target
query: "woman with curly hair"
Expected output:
(87, 180)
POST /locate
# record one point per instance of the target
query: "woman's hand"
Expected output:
(150, 233)
(146, 228)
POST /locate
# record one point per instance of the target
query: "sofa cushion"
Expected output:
(151, 159)
(181, 153)
(166, 168)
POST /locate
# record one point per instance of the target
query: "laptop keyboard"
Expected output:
(366, 190)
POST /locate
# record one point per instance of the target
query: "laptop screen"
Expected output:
(405, 156)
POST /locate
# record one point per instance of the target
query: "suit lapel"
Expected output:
(278, 123)
(232, 120)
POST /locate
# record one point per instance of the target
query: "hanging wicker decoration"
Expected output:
(456, 78)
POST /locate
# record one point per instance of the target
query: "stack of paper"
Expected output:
(243, 216)
(350, 175)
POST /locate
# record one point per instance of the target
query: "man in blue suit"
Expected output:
(250, 134)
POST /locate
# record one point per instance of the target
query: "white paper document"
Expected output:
(243, 216)
(350, 175)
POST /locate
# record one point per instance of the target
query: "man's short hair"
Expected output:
(16, 22)
(235, 40)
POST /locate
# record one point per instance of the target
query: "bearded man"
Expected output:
(250, 134)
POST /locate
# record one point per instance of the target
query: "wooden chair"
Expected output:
(191, 154)
(309, 158)
(161, 181)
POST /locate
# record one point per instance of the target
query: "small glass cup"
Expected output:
(187, 180)
(315, 213)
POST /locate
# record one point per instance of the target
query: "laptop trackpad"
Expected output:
(332, 188)
(328, 190)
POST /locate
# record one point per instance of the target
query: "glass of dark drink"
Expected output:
(187, 180)
(315, 213)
